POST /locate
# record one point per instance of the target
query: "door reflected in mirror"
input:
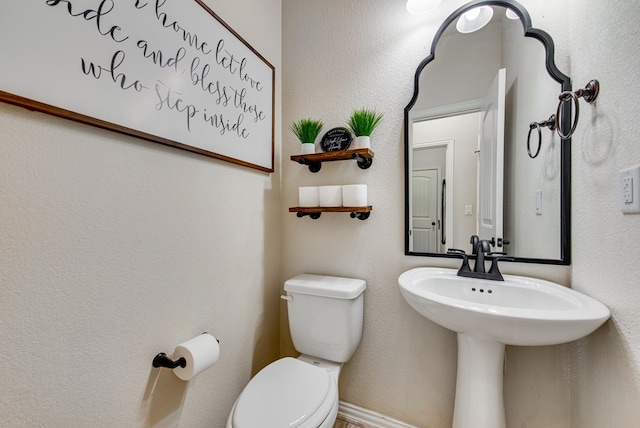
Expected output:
(467, 168)
(435, 148)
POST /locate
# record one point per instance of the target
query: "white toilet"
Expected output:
(325, 321)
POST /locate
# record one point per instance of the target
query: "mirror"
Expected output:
(467, 167)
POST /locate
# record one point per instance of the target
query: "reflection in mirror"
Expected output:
(466, 162)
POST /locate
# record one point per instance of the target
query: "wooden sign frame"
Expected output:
(169, 71)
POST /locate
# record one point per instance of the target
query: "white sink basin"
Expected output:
(518, 311)
(487, 315)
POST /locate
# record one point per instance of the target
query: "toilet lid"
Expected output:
(285, 394)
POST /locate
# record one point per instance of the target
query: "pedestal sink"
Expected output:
(487, 315)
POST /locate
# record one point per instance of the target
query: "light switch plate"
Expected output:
(630, 190)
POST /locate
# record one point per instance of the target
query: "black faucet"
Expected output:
(481, 248)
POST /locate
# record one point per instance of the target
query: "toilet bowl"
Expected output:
(325, 320)
(289, 393)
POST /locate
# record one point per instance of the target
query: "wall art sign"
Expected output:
(170, 71)
(336, 139)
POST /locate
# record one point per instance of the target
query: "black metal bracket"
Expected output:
(314, 216)
(363, 162)
(360, 216)
(313, 166)
(162, 360)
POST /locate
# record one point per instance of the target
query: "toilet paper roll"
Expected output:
(330, 196)
(308, 196)
(354, 195)
(200, 353)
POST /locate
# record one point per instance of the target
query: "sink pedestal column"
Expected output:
(479, 399)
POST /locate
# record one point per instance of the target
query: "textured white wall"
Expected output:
(605, 375)
(113, 249)
(342, 55)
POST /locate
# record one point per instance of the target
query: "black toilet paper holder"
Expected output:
(162, 360)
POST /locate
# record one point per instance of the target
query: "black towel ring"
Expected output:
(549, 123)
(589, 93)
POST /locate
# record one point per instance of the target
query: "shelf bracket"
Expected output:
(363, 162)
(314, 216)
(360, 216)
(313, 166)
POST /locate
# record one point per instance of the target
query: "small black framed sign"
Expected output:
(336, 139)
(169, 71)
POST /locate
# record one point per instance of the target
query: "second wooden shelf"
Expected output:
(361, 213)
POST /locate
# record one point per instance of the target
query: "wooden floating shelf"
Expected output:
(362, 213)
(364, 158)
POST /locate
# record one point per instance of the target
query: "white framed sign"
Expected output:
(169, 71)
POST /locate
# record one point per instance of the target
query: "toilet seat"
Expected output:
(288, 393)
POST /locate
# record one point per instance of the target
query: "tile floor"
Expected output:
(342, 422)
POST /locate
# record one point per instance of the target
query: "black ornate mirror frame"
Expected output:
(565, 145)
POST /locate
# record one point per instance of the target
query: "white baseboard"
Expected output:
(369, 417)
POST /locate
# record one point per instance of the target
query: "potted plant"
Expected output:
(362, 122)
(307, 131)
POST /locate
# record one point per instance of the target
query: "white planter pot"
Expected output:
(308, 148)
(363, 142)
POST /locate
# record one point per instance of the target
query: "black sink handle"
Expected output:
(465, 260)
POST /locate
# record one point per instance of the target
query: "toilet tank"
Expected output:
(325, 315)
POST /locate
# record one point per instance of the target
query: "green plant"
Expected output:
(362, 122)
(307, 130)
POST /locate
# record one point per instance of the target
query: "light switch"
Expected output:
(630, 190)
(627, 190)
(539, 202)
(468, 209)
